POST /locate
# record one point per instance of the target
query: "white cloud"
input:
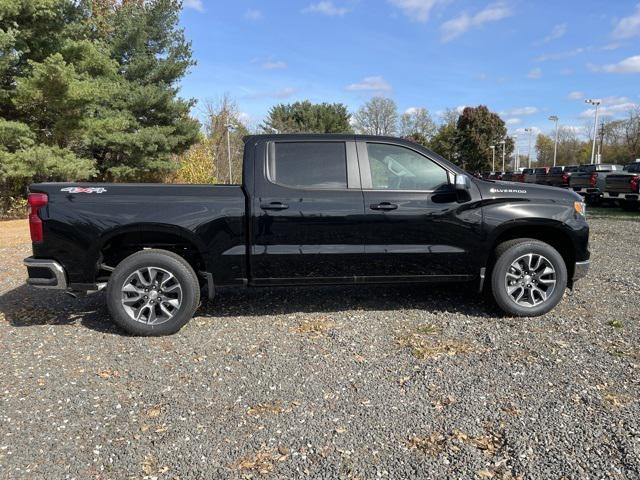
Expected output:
(281, 93)
(412, 110)
(520, 111)
(558, 31)
(629, 26)
(253, 14)
(560, 55)
(457, 26)
(195, 4)
(513, 121)
(535, 73)
(611, 107)
(371, 84)
(575, 95)
(274, 65)
(326, 8)
(628, 65)
(418, 10)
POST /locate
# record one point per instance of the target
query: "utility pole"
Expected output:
(515, 150)
(554, 118)
(596, 103)
(601, 144)
(503, 142)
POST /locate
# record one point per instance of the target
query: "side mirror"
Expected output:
(462, 183)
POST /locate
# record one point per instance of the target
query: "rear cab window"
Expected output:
(310, 165)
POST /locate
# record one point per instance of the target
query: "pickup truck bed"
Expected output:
(88, 232)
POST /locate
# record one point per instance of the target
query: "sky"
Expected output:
(526, 60)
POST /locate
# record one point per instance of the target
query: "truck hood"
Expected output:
(526, 191)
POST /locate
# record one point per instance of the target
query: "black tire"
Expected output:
(160, 259)
(508, 252)
(593, 200)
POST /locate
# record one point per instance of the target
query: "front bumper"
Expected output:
(581, 269)
(45, 273)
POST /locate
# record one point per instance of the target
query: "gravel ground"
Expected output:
(391, 382)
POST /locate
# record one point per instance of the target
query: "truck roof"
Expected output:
(344, 137)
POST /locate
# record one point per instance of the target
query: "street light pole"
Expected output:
(530, 130)
(503, 142)
(229, 127)
(554, 118)
(596, 103)
(493, 162)
(515, 152)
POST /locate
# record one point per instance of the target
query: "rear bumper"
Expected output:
(622, 196)
(45, 273)
(581, 269)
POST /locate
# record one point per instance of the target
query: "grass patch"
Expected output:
(616, 323)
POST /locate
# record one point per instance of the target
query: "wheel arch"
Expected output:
(548, 231)
(117, 244)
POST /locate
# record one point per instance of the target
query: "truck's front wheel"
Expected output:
(529, 277)
(153, 292)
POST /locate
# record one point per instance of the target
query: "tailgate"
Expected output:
(619, 183)
(581, 180)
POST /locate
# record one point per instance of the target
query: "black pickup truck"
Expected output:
(312, 209)
(559, 176)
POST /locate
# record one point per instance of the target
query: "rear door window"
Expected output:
(315, 165)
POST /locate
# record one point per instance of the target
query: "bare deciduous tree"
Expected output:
(379, 116)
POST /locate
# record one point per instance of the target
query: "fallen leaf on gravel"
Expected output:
(485, 474)
(424, 347)
(616, 400)
(108, 373)
(433, 444)
(274, 408)
(261, 462)
(315, 328)
(154, 412)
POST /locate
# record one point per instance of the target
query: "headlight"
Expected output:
(580, 208)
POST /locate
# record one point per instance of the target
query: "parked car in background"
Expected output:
(536, 175)
(496, 175)
(559, 176)
(311, 209)
(624, 188)
(590, 180)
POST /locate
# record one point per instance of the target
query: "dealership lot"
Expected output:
(336, 382)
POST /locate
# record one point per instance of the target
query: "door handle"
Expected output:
(274, 206)
(383, 206)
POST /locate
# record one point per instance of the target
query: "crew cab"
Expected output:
(624, 187)
(559, 176)
(311, 210)
(590, 180)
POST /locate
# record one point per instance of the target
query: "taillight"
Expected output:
(565, 178)
(635, 184)
(36, 201)
(594, 179)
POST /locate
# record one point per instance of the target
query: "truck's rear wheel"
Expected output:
(153, 292)
(529, 277)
